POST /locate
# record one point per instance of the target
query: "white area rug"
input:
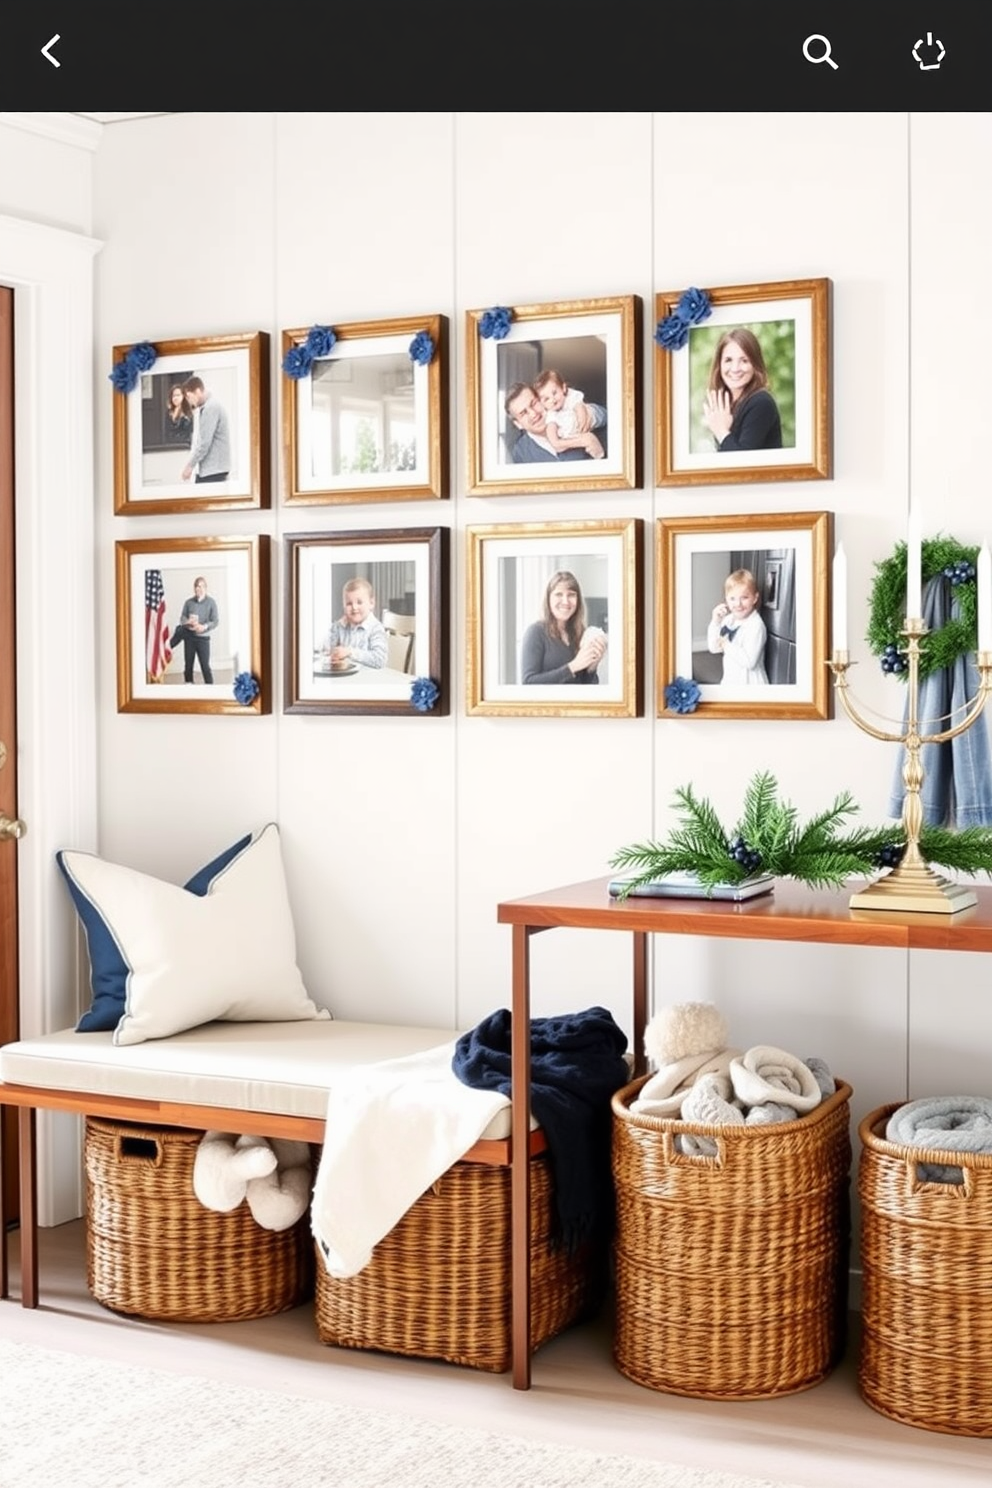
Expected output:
(70, 1421)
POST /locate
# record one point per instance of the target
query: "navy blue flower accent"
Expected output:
(422, 349)
(672, 332)
(495, 323)
(424, 693)
(297, 361)
(300, 357)
(140, 358)
(682, 695)
(246, 689)
(694, 305)
(321, 340)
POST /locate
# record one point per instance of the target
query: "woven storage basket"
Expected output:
(439, 1284)
(926, 1308)
(731, 1271)
(153, 1250)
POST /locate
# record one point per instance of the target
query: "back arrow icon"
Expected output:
(46, 50)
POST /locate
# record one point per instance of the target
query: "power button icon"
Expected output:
(929, 54)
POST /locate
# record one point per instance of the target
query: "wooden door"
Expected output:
(9, 1020)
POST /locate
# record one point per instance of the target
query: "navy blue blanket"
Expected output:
(577, 1064)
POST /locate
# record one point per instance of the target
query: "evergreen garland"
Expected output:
(941, 557)
(769, 838)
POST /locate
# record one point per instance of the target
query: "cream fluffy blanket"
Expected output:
(392, 1130)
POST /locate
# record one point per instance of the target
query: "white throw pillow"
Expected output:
(191, 958)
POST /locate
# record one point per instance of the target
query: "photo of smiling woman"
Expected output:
(738, 407)
(560, 647)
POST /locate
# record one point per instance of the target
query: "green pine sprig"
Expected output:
(822, 852)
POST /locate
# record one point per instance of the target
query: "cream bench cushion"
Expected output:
(283, 1068)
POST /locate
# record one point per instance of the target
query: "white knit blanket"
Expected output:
(392, 1130)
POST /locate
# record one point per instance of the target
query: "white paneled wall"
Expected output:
(400, 835)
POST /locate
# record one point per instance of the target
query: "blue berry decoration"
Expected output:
(890, 854)
(961, 572)
(742, 852)
(892, 659)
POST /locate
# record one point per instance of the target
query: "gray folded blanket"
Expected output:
(943, 1123)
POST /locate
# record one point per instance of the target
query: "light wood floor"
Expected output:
(823, 1438)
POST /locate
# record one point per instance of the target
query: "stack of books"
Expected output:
(687, 886)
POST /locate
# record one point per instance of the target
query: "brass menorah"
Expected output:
(913, 884)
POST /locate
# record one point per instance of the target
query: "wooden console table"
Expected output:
(791, 913)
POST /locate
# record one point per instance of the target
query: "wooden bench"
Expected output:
(263, 1079)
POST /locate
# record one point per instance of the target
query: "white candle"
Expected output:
(840, 599)
(984, 597)
(914, 569)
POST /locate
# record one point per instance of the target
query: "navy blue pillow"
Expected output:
(108, 968)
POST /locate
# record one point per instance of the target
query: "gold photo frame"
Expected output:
(368, 419)
(194, 449)
(186, 649)
(767, 656)
(518, 664)
(594, 347)
(782, 426)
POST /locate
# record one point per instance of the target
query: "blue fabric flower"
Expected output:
(672, 333)
(123, 376)
(143, 356)
(495, 323)
(422, 349)
(246, 689)
(694, 305)
(320, 341)
(682, 695)
(298, 361)
(125, 373)
(424, 693)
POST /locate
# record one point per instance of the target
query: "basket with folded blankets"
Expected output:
(413, 1244)
(731, 1168)
(925, 1185)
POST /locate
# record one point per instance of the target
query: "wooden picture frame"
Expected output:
(781, 433)
(787, 556)
(155, 468)
(514, 666)
(595, 347)
(156, 651)
(368, 421)
(407, 572)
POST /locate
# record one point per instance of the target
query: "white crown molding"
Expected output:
(67, 129)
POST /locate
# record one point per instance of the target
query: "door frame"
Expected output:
(51, 273)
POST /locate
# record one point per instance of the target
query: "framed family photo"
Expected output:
(192, 435)
(552, 395)
(746, 396)
(743, 606)
(366, 420)
(366, 622)
(192, 625)
(554, 619)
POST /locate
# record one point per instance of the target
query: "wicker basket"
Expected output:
(926, 1256)
(439, 1284)
(731, 1271)
(154, 1251)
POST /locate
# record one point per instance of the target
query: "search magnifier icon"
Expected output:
(818, 56)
